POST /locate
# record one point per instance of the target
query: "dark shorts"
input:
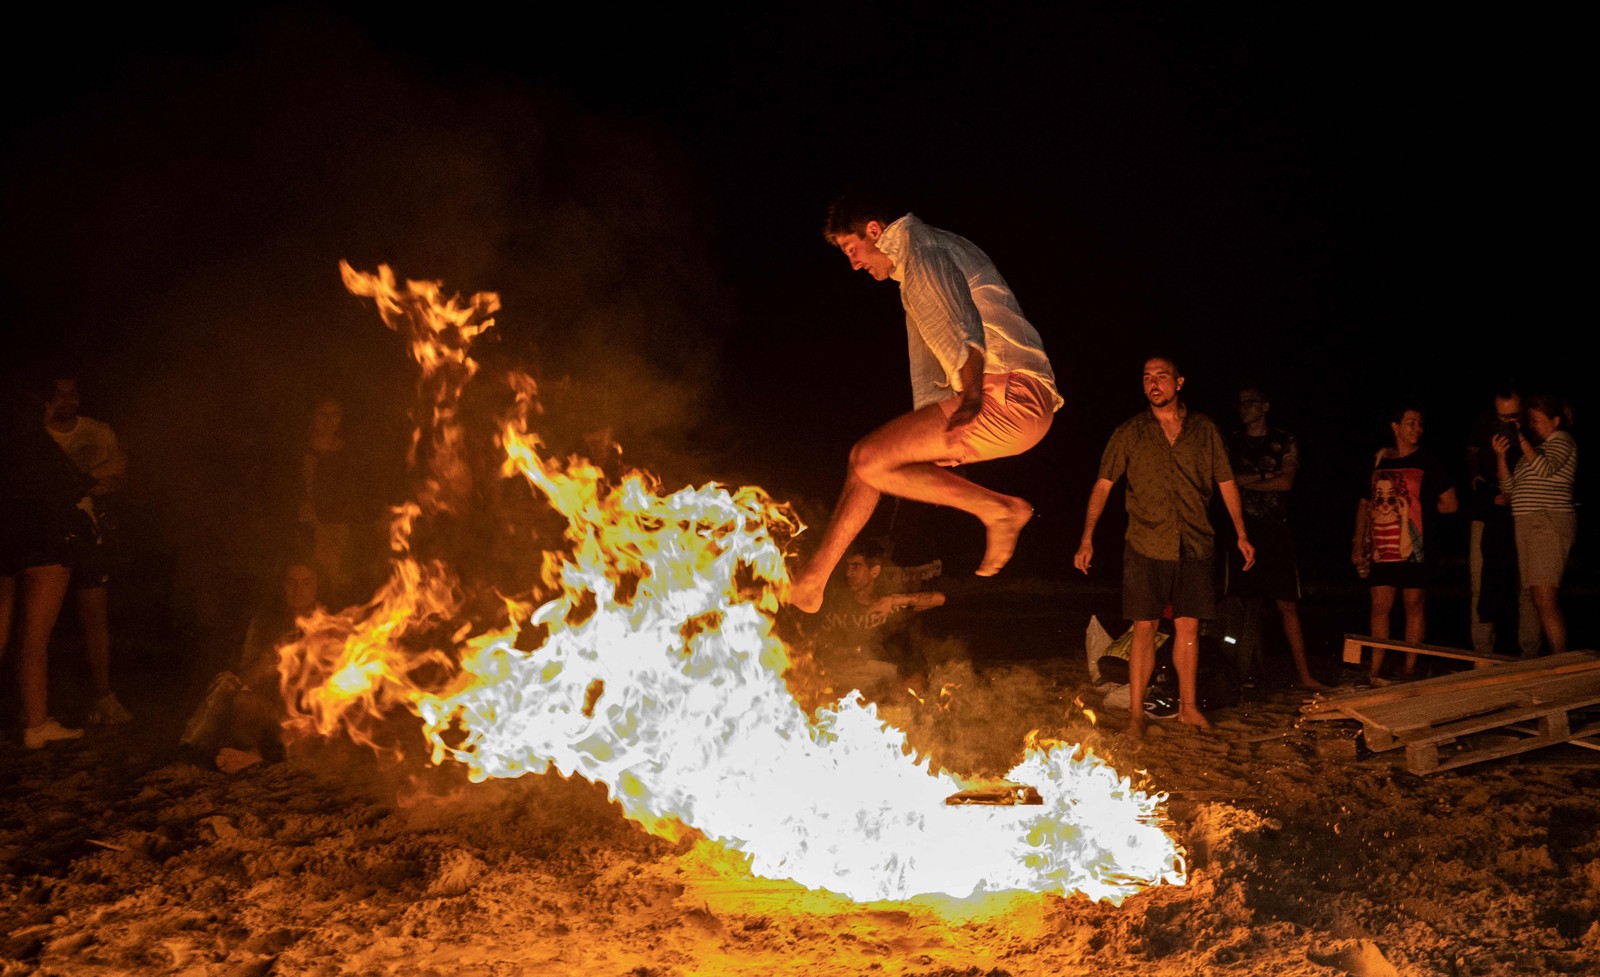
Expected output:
(1407, 576)
(91, 564)
(1274, 575)
(1149, 586)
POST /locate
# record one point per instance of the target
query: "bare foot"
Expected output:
(1135, 731)
(1192, 716)
(805, 593)
(230, 760)
(1003, 532)
(1311, 684)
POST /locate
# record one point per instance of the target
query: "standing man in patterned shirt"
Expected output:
(981, 384)
(1171, 457)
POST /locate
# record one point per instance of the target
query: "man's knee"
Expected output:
(870, 459)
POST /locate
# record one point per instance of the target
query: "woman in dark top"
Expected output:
(40, 524)
(1396, 542)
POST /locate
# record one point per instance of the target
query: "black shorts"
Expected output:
(1274, 574)
(1149, 587)
(1410, 576)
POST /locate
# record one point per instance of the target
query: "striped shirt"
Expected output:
(955, 302)
(1543, 478)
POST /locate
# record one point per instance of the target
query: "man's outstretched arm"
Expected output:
(1097, 505)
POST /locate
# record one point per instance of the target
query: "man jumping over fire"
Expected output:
(981, 385)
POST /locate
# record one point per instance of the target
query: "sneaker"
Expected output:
(109, 712)
(48, 731)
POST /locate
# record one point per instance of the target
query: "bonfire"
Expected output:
(647, 660)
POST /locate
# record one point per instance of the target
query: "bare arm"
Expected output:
(111, 474)
(1230, 500)
(921, 601)
(1448, 502)
(1097, 505)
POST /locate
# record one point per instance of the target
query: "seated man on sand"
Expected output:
(243, 711)
(865, 637)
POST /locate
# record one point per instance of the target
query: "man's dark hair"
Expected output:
(852, 211)
(1254, 388)
(869, 550)
(1172, 361)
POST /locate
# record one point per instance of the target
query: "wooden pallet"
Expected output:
(1540, 702)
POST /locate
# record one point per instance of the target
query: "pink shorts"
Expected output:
(1016, 413)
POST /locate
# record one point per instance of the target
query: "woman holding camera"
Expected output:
(1546, 520)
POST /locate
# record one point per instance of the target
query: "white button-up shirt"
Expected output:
(955, 302)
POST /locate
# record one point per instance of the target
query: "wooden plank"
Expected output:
(1515, 670)
(1429, 762)
(1586, 743)
(1355, 642)
(1586, 694)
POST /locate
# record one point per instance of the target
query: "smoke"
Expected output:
(176, 239)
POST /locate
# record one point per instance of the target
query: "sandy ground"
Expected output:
(1308, 853)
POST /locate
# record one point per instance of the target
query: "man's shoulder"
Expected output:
(1137, 422)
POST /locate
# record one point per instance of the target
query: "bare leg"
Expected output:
(1382, 604)
(1528, 625)
(899, 459)
(855, 506)
(1186, 660)
(1141, 663)
(96, 637)
(1416, 623)
(1551, 620)
(43, 589)
(1290, 612)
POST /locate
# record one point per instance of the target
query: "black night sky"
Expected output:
(1352, 204)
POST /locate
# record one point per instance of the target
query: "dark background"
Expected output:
(1352, 205)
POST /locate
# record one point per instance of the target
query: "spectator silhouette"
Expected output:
(92, 446)
(41, 526)
(238, 724)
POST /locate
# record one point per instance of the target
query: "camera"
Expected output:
(1508, 430)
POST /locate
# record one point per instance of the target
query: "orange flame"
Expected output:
(657, 673)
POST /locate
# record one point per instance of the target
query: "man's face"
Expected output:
(64, 402)
(1508, 409)
(1252, 406)
(858, 574)
(300, 589)
(864, 254)
(1161, 382)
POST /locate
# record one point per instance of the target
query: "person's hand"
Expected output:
(1248, 552)
(1084, 555)
(1501, 444)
